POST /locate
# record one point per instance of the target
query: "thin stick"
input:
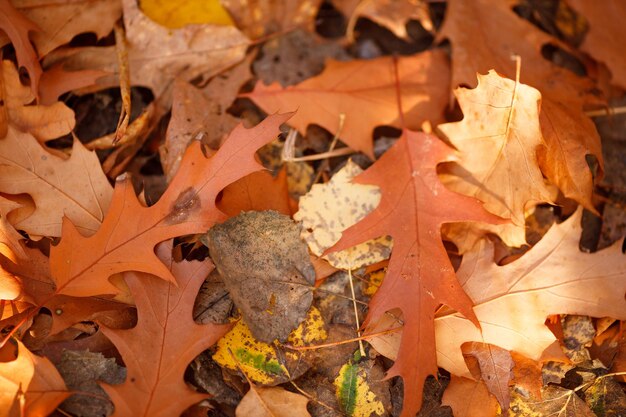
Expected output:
(609, 111)
(324, 155)
(356, 312)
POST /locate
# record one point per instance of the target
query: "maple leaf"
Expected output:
(554, 277)
(29, 386)
(154, 383)
(43, 122)
(606, 28)
(75, 188)
(498, 140)
(349, 88)
(17, 27)
(125, 242)
(413, 206)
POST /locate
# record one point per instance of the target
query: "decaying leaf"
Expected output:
(165, 321)
(29, 385)
(348, 88)
(266, 268)
(495, 366)
(413, 207)
(82, 265)
(272, 402)
(43, 122)
(328, 209)
(353, 391)
(75, 188)
(269, 364)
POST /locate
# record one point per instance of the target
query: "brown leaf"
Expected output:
(82, 265)
(495, 366)
(606, 29)
(59, 22)
(527, 375)
(55, 81)
(272, 402)
(413, 207)
(43, 122)
(469, 398)
(30, 386)
(165, 335)
(75, 188)
(349, 88)
(17, 28)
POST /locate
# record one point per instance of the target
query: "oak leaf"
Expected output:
(606, 28)
(469, 398)
(495, 366)
(258, 191)
(498, 140)
(157, 55)
(480, 44)
(554, 277)
(43, 122)
(413, 207)
(60, 22)
(17, 28)
(157, 351)
(272, 402)
(30, 386)
(75, 187)
(366, 101)
(82, 265)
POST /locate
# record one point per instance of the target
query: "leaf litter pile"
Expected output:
(312, 208)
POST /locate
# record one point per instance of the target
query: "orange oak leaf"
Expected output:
(554, 277)
(30, 386)
(43, 122)
(164, 341)
(75, 187)
(130, 231)
(17, 27)
(606, 30)
(413, 206)
(55, 81)
(365, 91)
(495, 366)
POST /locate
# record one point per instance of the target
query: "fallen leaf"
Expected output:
(266, 269)
(413, 207)
(43, 122)
(553, 277)
(30, 386)
(527, 376)
(555, 401)
(17, 28)
(392, 14)
(176, 15)
(469, 398)
(258, 191)
(165, 319)
(496, 366)
(353, 392)
(329, 209)
(348, 88)
(269, 363)
(55, 81)
(264, 17)
(158, 55)
(272, 402)
(82, 265)
(59, 22)
(605, 29)
(498, 140)
(75, 187)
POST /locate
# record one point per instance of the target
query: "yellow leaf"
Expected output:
(178, 13)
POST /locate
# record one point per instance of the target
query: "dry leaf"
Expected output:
(75, 188)
(495, 366)
(272, 402)
(366, 101)
(469, 398)
(43, 122)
